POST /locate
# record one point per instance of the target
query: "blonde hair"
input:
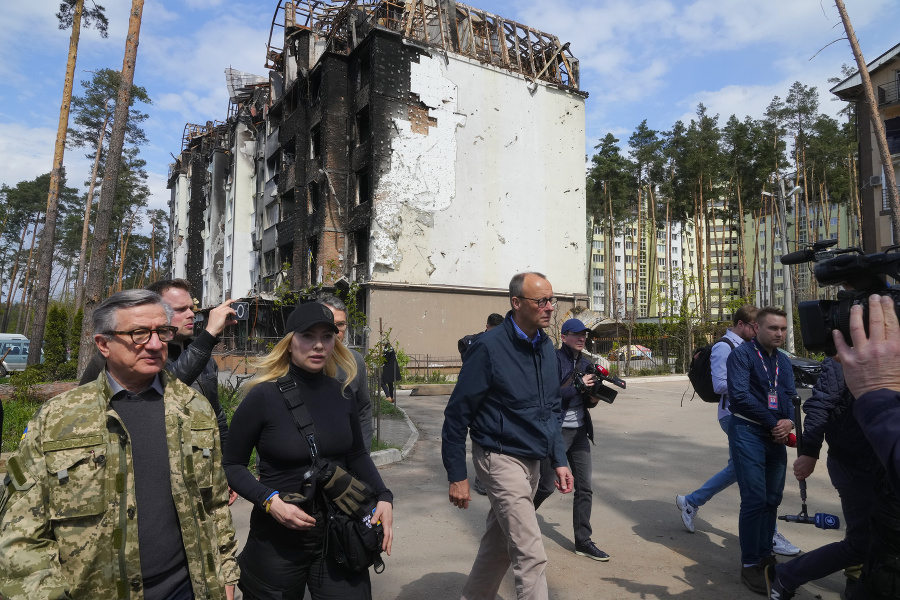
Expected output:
(278, 361)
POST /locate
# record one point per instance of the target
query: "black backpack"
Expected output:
(700, 372)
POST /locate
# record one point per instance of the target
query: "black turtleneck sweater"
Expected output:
(263, 421)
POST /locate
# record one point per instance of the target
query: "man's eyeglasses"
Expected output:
(141, 336)
(542, 302)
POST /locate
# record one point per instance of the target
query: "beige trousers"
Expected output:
(512, 534)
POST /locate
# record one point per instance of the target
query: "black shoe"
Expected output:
(754, 578)
(592, 551)
(774, 588)
(479, 487)
(769, 560)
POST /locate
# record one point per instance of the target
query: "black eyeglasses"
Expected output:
(141, 336)
(542, 302)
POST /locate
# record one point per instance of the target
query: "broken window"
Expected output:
(312, 245)
(363, 128)
(361, 246)
(363, 189)
(315, 143)
(313, 201)
(363, 72)
(315, 85)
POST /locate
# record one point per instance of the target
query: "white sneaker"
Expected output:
(780, 545)
(688, 512)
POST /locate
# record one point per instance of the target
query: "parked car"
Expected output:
(635, 352)
(17, 356)
(806, 370)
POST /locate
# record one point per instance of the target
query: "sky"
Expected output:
(640, 59)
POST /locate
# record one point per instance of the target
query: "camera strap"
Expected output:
(291, 393)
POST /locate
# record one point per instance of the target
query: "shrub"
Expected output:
(55, 339)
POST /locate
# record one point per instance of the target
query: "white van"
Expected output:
(17, 344)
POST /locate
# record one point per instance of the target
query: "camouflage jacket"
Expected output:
(67, 507)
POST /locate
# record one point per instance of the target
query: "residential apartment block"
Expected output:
(427, 151)
(876, 213)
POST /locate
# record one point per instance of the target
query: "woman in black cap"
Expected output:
(284, 550)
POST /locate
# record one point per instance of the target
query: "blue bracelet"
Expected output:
(267, 503)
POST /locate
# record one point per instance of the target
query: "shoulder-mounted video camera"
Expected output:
(597, 390)
(863, 274)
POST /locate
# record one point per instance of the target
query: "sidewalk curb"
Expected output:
(656, 378)
(392, 455)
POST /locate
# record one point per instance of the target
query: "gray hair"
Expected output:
(332, 301)
(518, 282)
(105, 318)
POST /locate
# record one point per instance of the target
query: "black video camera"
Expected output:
(598, 390)
(864, 273)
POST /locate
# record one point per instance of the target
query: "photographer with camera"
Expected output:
(578, 435)
(286, 551)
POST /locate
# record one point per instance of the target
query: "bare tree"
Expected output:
(94, 285)
(71, 13)
(880, 137)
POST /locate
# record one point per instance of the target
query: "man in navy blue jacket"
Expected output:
(507, 399)
(760, 387)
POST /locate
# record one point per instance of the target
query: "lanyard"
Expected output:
(759, 354)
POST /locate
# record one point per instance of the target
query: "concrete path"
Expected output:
(648, 450)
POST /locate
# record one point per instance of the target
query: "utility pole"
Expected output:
(788, 291)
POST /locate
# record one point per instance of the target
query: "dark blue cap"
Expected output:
(573, 326)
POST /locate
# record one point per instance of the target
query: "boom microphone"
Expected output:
(795, 258)
(820, 520)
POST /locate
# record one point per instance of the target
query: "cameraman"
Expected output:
(872, 372)
(577, 432)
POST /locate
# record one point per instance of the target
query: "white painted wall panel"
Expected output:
(496, 187)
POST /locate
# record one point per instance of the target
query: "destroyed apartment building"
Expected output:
(426, 150)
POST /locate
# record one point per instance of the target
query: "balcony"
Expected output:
(888, 93)
(285, 230)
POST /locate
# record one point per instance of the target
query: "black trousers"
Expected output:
(271, 571)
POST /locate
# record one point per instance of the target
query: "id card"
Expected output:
(773, 400)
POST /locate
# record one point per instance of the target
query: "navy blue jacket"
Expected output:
(567, 365)
(748, 384)
(878, 414)
(507, 399)
(829, 417)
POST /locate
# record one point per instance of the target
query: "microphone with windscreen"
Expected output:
(820, 520)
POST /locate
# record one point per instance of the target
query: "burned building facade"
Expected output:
(425, 150)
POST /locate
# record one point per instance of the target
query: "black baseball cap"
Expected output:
(309, 314)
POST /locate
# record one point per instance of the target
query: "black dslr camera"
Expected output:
(598, 390)
(864, 273)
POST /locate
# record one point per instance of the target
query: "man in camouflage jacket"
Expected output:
(70, 510)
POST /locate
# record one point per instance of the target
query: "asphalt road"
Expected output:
(649, 448)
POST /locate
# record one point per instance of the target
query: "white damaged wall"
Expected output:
(494, 188)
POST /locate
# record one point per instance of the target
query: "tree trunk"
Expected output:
(880, 137)
(13, 278)
(125, 241)
(86, 230)
(48, 236)
(23, 307)
(94, 285)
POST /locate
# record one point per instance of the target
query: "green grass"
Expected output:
(382, 445)
(16, 414)
(389, 409)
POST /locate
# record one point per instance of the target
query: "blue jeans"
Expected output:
(578, 453)
(717, 482)
(759, 465)
(856, 488)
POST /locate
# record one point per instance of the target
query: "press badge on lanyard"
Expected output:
(773, 394)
